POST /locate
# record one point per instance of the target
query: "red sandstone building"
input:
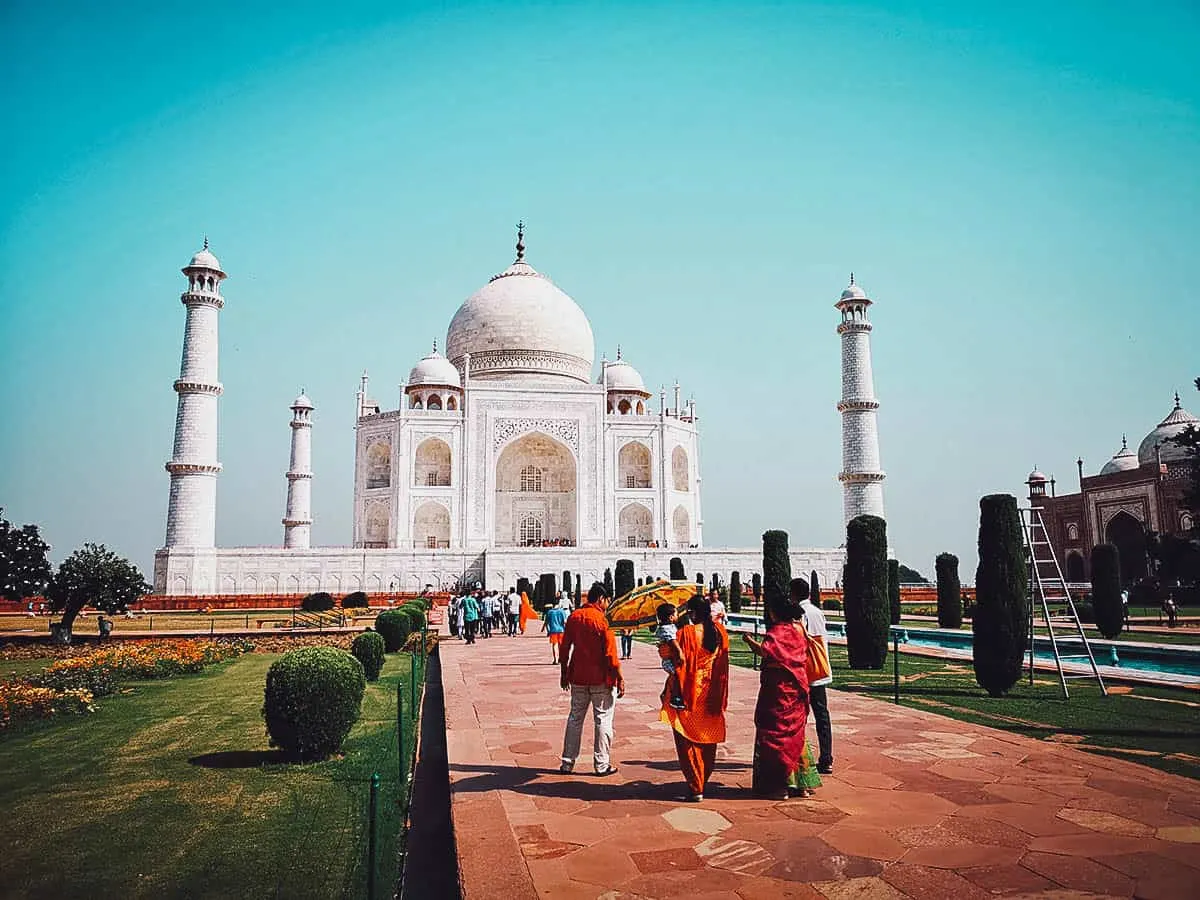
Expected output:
(1133, 495)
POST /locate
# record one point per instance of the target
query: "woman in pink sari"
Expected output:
(782, 709)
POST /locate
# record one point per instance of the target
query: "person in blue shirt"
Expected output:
(471, 616)
(554, 624)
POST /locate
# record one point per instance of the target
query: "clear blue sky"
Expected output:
(1015, 184)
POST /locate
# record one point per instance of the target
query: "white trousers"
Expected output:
(603, 702)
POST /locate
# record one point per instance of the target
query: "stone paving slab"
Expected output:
(920, 806)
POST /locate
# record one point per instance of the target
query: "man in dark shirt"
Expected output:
(591, 671)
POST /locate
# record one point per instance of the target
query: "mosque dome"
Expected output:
(621, 376)
(1176, 421)
(434, 369)
(1125, 460)
(1036, 476)
(521, 325)
(302, 402)
(204, 259)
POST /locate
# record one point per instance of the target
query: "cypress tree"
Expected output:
(1000, 620)
(756, 586)
(677, 573)
(625, 580)
(547, 589)
(894, 589)
(866, 605)
(608, 582)
(949, 591)
(716, 582)
(566, 583)
(777, 568)
(578, 591)
(700, 579)
(814, 589)
(524, 587)
(735, 593)
(1106, 590)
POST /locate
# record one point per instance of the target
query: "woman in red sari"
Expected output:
(782, 709)
(704, 685)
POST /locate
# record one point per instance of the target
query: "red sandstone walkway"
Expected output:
(920, 806)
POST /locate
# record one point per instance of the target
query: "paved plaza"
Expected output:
(920, 806)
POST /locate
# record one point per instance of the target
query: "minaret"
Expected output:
(861, 477)
(192, 508)
(297, 521)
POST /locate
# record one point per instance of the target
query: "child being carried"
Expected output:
(668, 651)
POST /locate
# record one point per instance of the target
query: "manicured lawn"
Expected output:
(170, 789)
(1159, 727)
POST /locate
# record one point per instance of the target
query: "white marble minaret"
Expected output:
(297, 521)
(192, 508)
(861, 477)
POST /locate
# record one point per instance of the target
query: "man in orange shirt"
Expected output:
(592, 673)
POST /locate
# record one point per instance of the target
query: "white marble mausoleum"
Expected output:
(511, 454)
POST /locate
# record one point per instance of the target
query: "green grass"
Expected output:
(117, 804)
(1156, 726)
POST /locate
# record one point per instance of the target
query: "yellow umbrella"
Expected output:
(640, 606)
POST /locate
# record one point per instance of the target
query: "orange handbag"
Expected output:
(816, 663)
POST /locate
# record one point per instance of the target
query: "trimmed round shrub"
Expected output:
(321, 601)
(393, 627)
(865, 597)
(357, 600)
(368, 648)
(312, 699)
(417, 617)
(832, 603)
(949, 591)
(1000, 621)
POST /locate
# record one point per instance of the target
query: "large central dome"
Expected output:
(520, 325)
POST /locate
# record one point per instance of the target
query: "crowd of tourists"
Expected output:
(694, 649)
(478, 613)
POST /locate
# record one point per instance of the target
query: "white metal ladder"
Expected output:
(1048, 586)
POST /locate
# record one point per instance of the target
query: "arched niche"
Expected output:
(1075, 572)
(633, 466)
(1128, 535)
(377, 525)
(431, 467)
(679, 470)
(379, 465)
(681, 527)
(535, 476)
(431, 526)
(635, 526)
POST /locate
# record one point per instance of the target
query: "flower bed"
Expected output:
(20, 700)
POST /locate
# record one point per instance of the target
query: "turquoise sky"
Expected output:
(1015, 184)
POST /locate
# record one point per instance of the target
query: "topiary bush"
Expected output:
(814, 589)
(777, 568)
(949, 591)
(417, 617)
(894, 590)
(312, 699)
(356, 600)
(393, 627)
(368, 648)
(1000, 620)
(677, 573)
(321, 601)
(608, 582)
(832, 603)
(865, 594)
(1106, 590)
(735, 592)
(624, 581)
(756, 586)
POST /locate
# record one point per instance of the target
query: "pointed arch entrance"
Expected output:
(536, 497)
(1129, 537)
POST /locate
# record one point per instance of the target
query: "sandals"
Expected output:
(611, 770)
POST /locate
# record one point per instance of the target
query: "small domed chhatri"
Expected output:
(1124, 460)
(204, 259)
(302, 402)
(619, 375)
(435, 369)
(520, 325)
(1172, 426)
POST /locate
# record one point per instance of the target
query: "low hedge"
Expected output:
(393, 627)
(356, 600)
(321, 601)
(311, 700)
(368, 648)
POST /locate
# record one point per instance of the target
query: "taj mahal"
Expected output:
(506, 458)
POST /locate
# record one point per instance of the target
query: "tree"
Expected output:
(700, 579)
(24, 569)
(1106, 590)
(625, 580)
(1000, 618)
(677, 573)
(894, 590)
(735, 593)
(578, 590)
(911, 576)
(756, 586)
(93, 575)
(1189, 440)
(608, 582)
(866, 592)
(524, 587)
(547, 589)
(777, 568)
(814, 589)
(567, 582)
(949, 591)
(716, 582)
(320, 601)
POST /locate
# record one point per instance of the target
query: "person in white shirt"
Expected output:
(818, 701)
(512, 605)
(716, 607)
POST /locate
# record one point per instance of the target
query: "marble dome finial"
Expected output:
(520, 241)
(852, 278)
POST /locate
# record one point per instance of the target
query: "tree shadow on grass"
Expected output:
(241, 759)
